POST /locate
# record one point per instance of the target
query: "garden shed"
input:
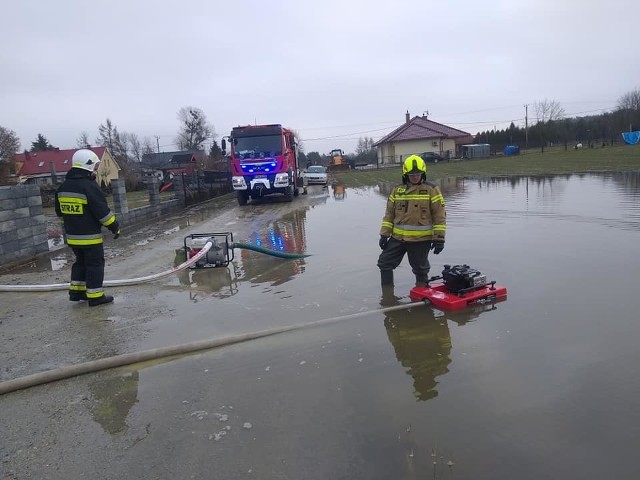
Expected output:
(475, 150)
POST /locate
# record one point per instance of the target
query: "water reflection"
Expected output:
(422, 342)
(287, 234)
(339, 190)
(449, 186)
(219, 282)
(423, 346)
(111, 400)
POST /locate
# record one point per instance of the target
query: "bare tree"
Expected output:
(133, 145)
(83, 140)
(116, 143)
(147, 146)
(548, 110)
(365, 146)
(630, 100)
(299, 141)
(194, 129)
(9, 144)
(106, 134)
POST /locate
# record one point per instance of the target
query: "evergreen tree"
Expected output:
(215, 152)
(41, 144)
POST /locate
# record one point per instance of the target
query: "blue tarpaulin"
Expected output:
(511, 150)
(631, 137)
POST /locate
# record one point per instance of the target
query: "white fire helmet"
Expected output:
(85, 159)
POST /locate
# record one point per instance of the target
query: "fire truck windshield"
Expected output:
(259, 146)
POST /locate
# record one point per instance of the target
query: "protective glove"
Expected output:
(383, 241)
(115, 229)
(437, 246)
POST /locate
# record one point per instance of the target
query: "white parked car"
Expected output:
(316, 174)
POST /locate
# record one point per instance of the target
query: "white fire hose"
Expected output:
(113, 283)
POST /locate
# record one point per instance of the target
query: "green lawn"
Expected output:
(134, 200)
(623, 158)
(141, 198)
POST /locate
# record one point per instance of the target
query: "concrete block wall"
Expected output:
(23, 227)
(140, 215)
(136, 216)
(23, 230)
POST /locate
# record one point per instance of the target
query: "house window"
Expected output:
(41, 164)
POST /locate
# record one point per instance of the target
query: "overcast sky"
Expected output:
(332, 70)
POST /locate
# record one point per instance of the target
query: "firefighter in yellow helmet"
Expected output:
(84, 210)
(414, 222)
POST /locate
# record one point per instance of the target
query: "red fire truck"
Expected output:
(263, 161)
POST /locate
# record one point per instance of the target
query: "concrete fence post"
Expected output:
(154, 191)
(178, 188)
(119, 196)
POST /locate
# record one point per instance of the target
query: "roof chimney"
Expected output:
(54, 178)
(407, 117)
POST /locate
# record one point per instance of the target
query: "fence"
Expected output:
(23, 226)
(195, 188)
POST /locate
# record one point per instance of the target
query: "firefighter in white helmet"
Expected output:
(84, 210)
(414, 222)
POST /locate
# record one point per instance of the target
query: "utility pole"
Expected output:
(526, 126)
(158, 142)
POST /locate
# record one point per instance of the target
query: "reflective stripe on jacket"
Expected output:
(83, 208)
(415, 213)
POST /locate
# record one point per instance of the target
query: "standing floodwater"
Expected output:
(543, 385)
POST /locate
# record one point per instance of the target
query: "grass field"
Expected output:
(134, 200)
(622, 158)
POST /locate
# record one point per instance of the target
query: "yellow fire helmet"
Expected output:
(413, 165)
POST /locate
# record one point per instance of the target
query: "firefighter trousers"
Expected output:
(417, 253)
(88, 270)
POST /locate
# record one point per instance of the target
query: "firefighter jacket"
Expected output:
(415, 213)
(83, 208)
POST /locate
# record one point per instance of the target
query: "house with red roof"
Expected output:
(51, 166)
(417, 136)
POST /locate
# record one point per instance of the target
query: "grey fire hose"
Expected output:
(170, 351)
(150, 278)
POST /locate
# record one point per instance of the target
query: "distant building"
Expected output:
(166, 164)
(476, 150)
(420, 135)
(51, 166)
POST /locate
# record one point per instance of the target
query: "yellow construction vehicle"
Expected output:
(338, 160)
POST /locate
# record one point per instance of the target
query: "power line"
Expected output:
(351, 135)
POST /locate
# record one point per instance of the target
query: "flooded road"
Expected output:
(543, 385)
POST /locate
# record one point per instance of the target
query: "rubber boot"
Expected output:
(386, 277)
(100, 300)
(77, 296)
(421, 281)
(388, 298)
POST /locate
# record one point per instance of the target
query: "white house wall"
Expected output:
(396, 152)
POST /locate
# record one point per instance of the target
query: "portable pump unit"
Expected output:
(462, 278)
(459, 286)
(219, 255)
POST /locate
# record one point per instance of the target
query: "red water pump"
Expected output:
(459, 286)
